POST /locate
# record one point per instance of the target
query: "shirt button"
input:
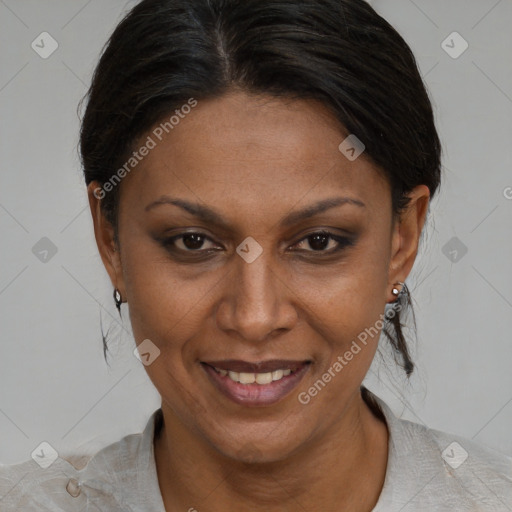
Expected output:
(73, 487)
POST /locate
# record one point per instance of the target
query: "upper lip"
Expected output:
(271, 365)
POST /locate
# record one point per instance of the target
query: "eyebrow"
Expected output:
(210, 216)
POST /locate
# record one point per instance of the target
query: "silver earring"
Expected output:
(395, 291)
(118, 299)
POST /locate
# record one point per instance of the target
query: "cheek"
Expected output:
(353, 294)
(166, 310)
(348, 311)
(162, 304)
(349, 321)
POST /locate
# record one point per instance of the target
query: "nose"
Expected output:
(256, 304)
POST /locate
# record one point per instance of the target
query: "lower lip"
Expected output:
(255, 394)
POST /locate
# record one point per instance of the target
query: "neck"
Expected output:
(341, 470)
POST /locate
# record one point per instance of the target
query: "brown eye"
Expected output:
(323, 242)
(192, 241)
(189, 242)
(319, 241)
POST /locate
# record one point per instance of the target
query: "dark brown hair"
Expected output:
(340, 52)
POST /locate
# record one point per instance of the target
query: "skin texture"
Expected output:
(255, 159)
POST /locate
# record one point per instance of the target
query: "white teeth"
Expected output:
(251, 378)
(278, 374)
(233, 376)
(264, 378)
(247, 378)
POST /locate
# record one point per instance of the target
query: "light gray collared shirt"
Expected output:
(427, 470)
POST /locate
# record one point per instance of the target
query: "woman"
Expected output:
(259, 175)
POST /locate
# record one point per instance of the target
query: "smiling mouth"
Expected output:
(263, 372)
(256, 384)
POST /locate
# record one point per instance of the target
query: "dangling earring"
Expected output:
(395, 291)
(118, 299)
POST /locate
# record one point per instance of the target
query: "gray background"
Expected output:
(54, 383)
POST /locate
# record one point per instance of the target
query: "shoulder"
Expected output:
(111, 477)
(429, 469)
(463, 471)
(456, 453)
(28, 485)
(456, 450)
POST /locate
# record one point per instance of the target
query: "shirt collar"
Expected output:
(402, 451)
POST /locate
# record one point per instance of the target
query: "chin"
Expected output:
(260, 451)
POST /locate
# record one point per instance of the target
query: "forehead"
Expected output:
(255, 149)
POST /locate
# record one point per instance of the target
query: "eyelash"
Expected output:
(342, 242)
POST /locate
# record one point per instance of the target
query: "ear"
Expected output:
(104, 234)
(406, 235)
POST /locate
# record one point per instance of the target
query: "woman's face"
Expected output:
(201, 292)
